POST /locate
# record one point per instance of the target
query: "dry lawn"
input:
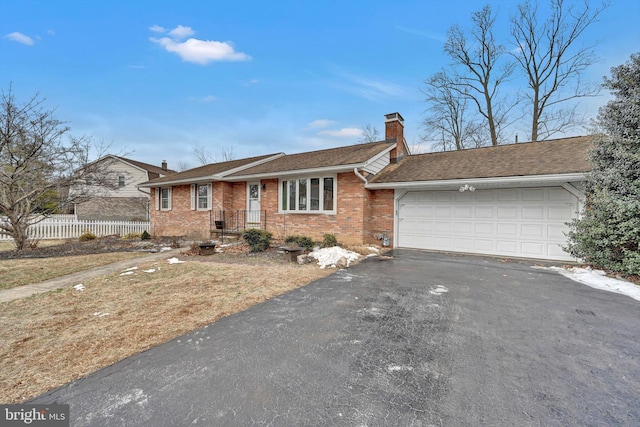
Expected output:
(18, 272)
(51, 339)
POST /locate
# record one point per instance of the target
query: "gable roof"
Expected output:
(154, 171)
(333, 158)
(212, 171)
(552, 157)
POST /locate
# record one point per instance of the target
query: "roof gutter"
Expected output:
(509, 181)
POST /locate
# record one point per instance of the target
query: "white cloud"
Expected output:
(321, 123)
(181, 32)
(439, 37)
(342, 133)
(208, 98)
(51, 32)
(157, 29)
(201, 51)
(20, 38)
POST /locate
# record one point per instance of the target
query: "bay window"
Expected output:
(314, 194)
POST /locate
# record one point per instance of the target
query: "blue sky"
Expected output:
(156, 78)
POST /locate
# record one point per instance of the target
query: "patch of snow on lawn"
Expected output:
(597, 279)
(130, 269)
(174, 260)
(165, 248)
(126, 273)
(329, 257)
(99, 314)
(439, 290)
(151, 270)
(79, 287)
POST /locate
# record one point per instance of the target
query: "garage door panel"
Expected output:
(532, 212)
(526, 222)
(507, 212)
(533, 230)
(560, 211)
(484, 228)
(463, 212)
(532, 249)
(484, 212)
(507, 229)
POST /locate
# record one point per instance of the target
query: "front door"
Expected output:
(253, 204)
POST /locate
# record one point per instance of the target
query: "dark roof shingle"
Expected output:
(154, 170)
(210, 169)
(559, 156)
(341, 156)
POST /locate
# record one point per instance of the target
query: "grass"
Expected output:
(7, 245)
(50, 339)
(18, 272)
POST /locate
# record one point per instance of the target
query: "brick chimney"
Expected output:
(164, 165)
(394, 129)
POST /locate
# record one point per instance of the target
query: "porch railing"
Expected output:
(231, 221)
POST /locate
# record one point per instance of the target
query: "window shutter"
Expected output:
(170, 197)
(157, 198)
(209, 197)
(194, 195)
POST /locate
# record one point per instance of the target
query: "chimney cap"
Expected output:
(393, 117)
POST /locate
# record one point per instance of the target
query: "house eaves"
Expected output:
(205, 178)
(483, 183)
(297, 172)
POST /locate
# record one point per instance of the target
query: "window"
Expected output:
(121, 181)
(308, 194)
(165, 199)
(201, 197)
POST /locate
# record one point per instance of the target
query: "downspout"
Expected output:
(359, 175)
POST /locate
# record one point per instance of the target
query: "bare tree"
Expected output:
(369, 134)
(39, 161)
(553, 64)
(202, 155)
(483, 69)
(228, 154)
(448, 125)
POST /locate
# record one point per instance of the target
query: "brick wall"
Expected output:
(346, 224)
(180, 220)
(361, 215)
(380, 216)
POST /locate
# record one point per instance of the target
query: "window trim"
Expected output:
(195, 197)
(159, 198)
(308, 210)
(121, 181)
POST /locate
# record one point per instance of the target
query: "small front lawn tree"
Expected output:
(608, 234)
(40, 166)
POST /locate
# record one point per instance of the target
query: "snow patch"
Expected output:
(397, 368)
(79, 287)
(174, 260)
(151, 270)
(165, 249)
(330, 257)
(130, 269)
(127, 273)
(100, 314)
(598, 279)
(439, 290)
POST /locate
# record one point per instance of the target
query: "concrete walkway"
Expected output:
(76, 278)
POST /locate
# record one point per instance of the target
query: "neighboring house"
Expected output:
(511, 200)
(125, 201)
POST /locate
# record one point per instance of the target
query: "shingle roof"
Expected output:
(210, 169)
(156, 170)
(567, 155)
(341, 156)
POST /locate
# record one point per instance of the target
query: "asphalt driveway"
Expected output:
(421, 339)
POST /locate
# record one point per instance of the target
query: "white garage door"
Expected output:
(526, 222)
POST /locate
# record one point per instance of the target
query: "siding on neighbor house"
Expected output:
(114, 209)
(132, 177)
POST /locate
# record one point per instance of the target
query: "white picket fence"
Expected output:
(70, 227)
